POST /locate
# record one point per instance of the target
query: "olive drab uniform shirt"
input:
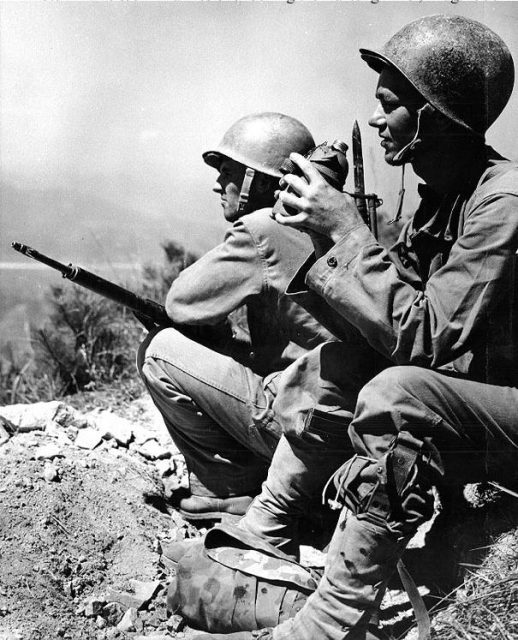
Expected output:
(443, 296)
(252, 266)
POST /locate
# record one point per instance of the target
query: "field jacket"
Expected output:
(443, 296)
(252, 267)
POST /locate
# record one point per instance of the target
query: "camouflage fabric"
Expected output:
(233, 581)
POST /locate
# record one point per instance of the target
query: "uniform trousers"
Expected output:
(217, 411)
(472, 425)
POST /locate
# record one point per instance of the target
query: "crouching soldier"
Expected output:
(437, 306)
(216, 404)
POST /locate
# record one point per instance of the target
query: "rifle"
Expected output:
(367, 203)
(147, 311)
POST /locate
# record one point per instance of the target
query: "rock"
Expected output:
(48, 452)
(31, 417)
(15, 634)
(142, 594)
(6, 430)
(67, 416)
(127, 600)
(142, 435)
(113, 613)
(52, 428)
(153, 451)
(51, 472)
(110, 425)
(128, 621)
(171, 484)
(163, 467)
(88, 438)
(93, 606)
(145, 590)
(175, 622)
(100, 622)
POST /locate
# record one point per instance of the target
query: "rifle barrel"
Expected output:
(95, 283)
(67, 271)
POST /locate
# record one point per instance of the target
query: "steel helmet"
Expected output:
(461, 67)
(262, 141)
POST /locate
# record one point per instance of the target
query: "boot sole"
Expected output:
(209, 515)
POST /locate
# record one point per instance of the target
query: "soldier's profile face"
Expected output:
(228, 185)
(395, 117)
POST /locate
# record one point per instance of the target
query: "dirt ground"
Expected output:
(82, 523)
(80, 539)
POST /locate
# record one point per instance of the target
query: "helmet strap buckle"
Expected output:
(244, 196)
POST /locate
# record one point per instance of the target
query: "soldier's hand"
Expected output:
(318, 206)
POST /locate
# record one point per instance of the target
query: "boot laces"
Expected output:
(335, 503)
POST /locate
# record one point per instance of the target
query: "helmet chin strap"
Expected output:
(245, 191)
(405, 154)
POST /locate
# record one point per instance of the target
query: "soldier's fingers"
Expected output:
(290, 200)
(299, 221)
(297, 183)
(308, 169)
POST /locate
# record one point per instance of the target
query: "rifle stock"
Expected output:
(147, 311)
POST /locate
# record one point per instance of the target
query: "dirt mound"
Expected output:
(80, 536)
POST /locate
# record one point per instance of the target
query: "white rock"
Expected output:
(153, 451)
(53, 428)
(141, 434)
(144, 591)
(48, 452)
(128, 620)
(31, 417)
(6, 428)
(110, 425)
(50, 472)
(88, 438)
(163, 467)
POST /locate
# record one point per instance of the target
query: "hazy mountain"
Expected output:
(76, 224)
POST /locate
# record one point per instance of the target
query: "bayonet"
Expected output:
(366, 203)
(359, 180)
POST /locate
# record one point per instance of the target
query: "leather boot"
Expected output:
(195, 508)
(362, 557)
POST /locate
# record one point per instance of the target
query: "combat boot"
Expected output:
(362, 557)
(194, 508)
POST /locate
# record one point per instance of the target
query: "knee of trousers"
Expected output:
(399, 398)
(149, 364)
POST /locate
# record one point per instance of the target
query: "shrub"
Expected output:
(88, 342)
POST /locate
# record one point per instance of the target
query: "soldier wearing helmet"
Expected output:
(211, 379)
(436, 311)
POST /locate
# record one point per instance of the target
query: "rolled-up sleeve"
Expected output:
(219, 282)
(435, 325)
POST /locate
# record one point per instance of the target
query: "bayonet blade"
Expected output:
(359, 180)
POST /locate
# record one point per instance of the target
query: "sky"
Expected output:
(115, 102)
